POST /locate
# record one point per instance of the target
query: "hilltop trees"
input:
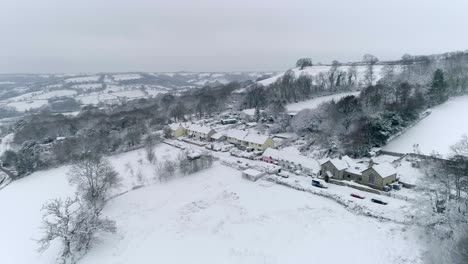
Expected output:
(304, 62)
(438, 92)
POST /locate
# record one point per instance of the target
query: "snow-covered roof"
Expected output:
(339, 164)
(199, 129)
(304, 161)
(237, 134)
(252, 172)
(256, 138)
(384, 169)
(175, 126)
(217, 135)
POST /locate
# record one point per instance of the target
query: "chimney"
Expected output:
(371, 163)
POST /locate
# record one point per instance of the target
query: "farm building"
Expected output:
(291, 162)
(200, 132)
(251, 174)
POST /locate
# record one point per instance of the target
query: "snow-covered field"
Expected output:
(84, 79)
(28, 105)
(441, 129)
(217, 217)
(316, 69)
(213, 216)
(126, 77)
(314, 103)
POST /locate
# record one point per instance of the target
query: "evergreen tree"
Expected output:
(438, 93)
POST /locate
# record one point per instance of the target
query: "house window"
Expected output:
(371, 178)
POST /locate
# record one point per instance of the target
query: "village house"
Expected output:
(200, 132)
(177, 130)
(334, 168)
(378, 176)
(257, 142)
(235, 136)
(374, 175)
(291, 162)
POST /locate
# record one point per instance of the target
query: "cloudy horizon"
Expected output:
(158, 36)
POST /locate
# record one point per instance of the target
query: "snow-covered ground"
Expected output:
(213, 216)
(217, 217)
(441, 129)
(316, 69)
(308, 104)
(314, 103)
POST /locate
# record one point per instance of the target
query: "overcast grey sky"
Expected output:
(219, 35)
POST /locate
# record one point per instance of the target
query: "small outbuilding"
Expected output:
(252, 175)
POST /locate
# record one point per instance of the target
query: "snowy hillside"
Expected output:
(106, 88)
(317, 69)
(441, 129)
(315, 102)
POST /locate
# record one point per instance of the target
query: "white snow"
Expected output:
(315, 102)
(126, 77)
(441, 129)
(53, 94)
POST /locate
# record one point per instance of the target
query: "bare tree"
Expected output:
(73, 225)
(164, 170)
(150, 143)
(370, 61)
(94, 178)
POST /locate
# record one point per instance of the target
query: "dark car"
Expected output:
(357, 196)
(319, 183)
(378, 201)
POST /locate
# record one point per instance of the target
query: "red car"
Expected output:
(357, 196)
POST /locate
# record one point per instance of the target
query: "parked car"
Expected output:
(227, 147)
(357, 196)
(283, 174)
(319, 183)
(378, 201)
